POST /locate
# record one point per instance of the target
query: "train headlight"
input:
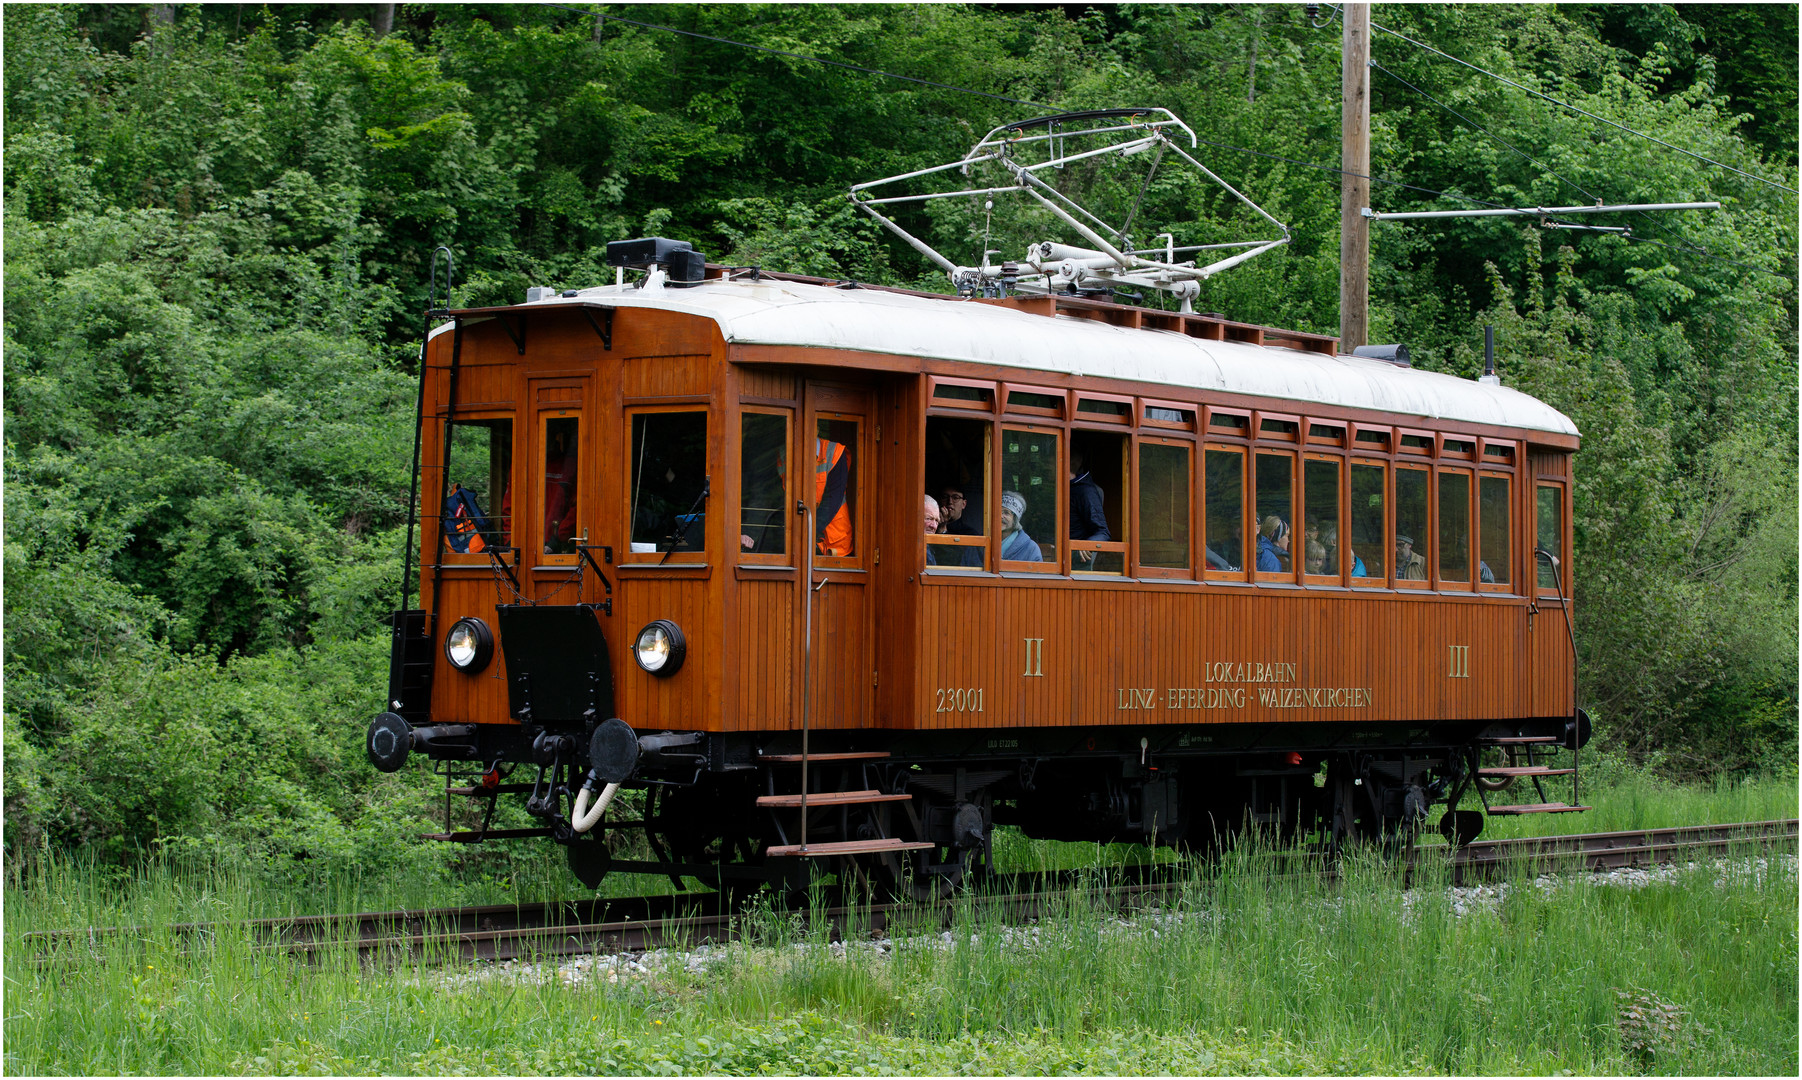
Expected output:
(469, 645)
(660, 648)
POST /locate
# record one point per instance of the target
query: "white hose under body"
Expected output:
(583, 819)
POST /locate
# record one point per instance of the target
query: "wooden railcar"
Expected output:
(635, 471)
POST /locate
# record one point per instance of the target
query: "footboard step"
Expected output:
(848, 847)
(831, 798)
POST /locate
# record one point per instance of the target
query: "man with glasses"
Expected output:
(952, 504)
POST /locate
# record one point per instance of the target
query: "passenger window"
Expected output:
(1164, 505)
(669, 482)
(1026, 508)
(835, 487)
(562, 449)
(1275, 514)
(1369, 555)
(1320, 532)
(1493, 568)
(763, 484)
(1097, 502)
(478, 497)
(1225, 509)
(1454, 526)
(1411, 540)
(1549, 535)
(957, 477)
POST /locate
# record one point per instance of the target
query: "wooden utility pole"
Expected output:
(1354, 188)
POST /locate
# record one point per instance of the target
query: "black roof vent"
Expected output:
(1395, 354)
(644, 253)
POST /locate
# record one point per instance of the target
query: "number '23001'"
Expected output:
(960, 700)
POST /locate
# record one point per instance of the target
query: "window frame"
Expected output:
(1054, 412)
(447, 557)
(933, 382)
(861, 541)
(1506, 587)
(1470, 532)
(1562, 486)
(1060, 562)
(1394, 526)
(543, 416)
(1293, 438)
(957, 540)
(1145, 420)
(676, 559)
(1387, 523)
(1136, 567)
(1208, 573)
(1111, 420)
(1293, 576)
(752, 558)
(1339, 525)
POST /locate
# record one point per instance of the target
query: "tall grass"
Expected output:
(1251, 969)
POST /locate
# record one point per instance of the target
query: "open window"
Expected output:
(478, 489)
(958, 455)
(1097, 502)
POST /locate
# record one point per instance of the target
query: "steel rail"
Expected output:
(560, 928)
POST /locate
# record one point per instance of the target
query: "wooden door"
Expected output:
(839, 480)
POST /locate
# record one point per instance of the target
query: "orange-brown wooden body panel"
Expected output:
(890, 638)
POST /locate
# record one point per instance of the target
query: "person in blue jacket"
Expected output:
(1273, 545)
(1015, 544)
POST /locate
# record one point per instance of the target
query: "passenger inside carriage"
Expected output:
(957, 465)
(1015, 544)
(1315, 562)
(932, 527)
(1273, 546)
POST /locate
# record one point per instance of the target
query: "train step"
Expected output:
(1520, 740)
(1524, 770)
(1535, 808)
(847, 847)
(831, 798)
(854, 755)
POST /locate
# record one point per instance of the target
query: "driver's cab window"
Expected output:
(668, 486)
(478, 489)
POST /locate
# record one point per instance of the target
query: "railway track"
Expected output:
(560, 928)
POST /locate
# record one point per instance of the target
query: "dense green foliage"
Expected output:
(217, 238)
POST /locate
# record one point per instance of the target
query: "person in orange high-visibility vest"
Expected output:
(832, 516)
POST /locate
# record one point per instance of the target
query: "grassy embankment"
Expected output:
(1251, 971)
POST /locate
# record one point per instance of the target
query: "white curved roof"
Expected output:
(791, 313)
